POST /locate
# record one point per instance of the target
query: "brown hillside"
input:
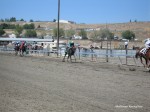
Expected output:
(141, 29)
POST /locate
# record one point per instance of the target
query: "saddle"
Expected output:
(144, 50)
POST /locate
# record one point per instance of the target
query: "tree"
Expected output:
(130, 20)
(31, 20)
(30, 33)
(7, 26)
(21, 19)
(18, 30)
(94, 35)
(3, 26)
(54, 20)
(83, 34)
(105, 33)
(61, 32)
(29, 26)
(128, 35)
(100, 35)
(70, 33)
(2, 32)
(12, 19)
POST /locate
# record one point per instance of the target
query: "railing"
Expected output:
(82, 55)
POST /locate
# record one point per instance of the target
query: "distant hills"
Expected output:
(141, 29)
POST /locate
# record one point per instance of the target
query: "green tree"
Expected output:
(70, 33)
(83, 34)
(61, 32)
(31, 20)
(21, 19)
(128, 35)
(18, 30)
(2, 32)
(101, 34)
(30, 33)
(12, 19)
(105, 33)
(3, 26)
(7, 26)
(94, 35)
(29, 26)
(54, 20)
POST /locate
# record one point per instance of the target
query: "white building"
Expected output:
(66, 21)
(12, 36)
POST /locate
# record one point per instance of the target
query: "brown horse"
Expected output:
(22, 49)
(70, 51)
(145, 56)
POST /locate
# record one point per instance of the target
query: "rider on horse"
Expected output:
(17, 46)
(69, 46)
(147, 46)
(70, 50)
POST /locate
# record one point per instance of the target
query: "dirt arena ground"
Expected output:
(39, 84)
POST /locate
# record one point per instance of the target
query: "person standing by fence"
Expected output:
(126, 44)
(91, 50)
(126, 48)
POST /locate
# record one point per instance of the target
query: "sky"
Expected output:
(79, 11)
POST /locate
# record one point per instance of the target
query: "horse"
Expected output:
(16, 49)
(70, 51)
(22, 49)
(144, 56)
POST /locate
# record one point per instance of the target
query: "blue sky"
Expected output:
(80, 11)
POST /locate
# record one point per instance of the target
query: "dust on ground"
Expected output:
(46, 84)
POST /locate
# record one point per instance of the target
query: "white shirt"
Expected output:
(126, 43)
(147, 44)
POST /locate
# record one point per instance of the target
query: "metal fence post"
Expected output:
(126, 55)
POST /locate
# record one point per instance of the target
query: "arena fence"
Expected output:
(123, 56)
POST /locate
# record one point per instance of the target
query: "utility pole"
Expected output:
(58, 28)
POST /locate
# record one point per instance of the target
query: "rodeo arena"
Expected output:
(38, 76)
(89, 53)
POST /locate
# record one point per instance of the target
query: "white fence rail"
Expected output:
(96, 55)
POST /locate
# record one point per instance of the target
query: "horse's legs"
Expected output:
(68, 57)
(23, 52)
(64, 59)
(20, 52)
(74, 58)
(148, 64)
(16, 52)
(142, 62)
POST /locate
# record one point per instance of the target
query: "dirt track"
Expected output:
(38, 84)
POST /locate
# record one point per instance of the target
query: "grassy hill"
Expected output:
(141, 29)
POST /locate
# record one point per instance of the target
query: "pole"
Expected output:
(107, 51)
(58, 28)
(126, 49)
